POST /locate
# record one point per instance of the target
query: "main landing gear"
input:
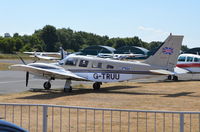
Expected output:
(67, 87)
(97, 85)
(47, 84)
(174, 78)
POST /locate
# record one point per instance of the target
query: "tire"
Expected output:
(96, 86)
(175, 78)
(47, 85)
(169, 77)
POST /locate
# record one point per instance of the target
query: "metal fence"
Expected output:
(55, 118)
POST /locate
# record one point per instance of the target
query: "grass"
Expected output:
(5, 66)
(182, 95)
(13, 56)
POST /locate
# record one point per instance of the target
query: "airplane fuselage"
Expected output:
(106, 70)
(189, 62)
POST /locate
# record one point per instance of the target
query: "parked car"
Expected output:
(6, 126)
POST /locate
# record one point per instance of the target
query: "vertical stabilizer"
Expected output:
(166, 56)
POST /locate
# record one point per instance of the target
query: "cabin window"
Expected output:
(71, 62)
(189, 59)
(97, 65)
(110, 67)
(181, 59)
(83, 63)
(196, 59)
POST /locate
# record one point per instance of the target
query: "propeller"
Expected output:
(27, 73)
(27, 78)
(21, 59)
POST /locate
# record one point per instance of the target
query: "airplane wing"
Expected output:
(44, 53)
(57, 73)
(46, 57)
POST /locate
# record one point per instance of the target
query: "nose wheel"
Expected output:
(97, 85)
(47, 85)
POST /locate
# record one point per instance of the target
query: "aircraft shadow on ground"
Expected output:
(168, 81)
(180, 94)
(56, 93)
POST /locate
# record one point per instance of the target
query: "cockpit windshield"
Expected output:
(181, 59)
(71, 61)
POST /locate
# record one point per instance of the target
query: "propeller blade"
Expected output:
(21, 59)
(27, 78)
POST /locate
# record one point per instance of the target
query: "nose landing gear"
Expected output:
(47, 85)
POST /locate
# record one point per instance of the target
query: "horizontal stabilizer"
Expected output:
(178, 70)
(162, 72)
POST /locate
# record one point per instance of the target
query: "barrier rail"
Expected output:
(35, 117)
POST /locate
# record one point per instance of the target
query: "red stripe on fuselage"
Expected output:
(189, 65)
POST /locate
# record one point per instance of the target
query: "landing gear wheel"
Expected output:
(175, 78)
(96, 85)
(68, 90)
(47, 85)
(169, 77)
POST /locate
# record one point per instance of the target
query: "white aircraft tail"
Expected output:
(167, 54)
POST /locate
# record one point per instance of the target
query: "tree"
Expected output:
(65, 37)
(119, 43)
(49, 36)
(18, 44)
(16, 35)
(184, 48)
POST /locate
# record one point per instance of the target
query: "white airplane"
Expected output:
(45, 55)
(191, 64)
(100, 70)
(120, 56)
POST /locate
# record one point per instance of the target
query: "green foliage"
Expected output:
(184, 48)
(50, 39)
(49, 36)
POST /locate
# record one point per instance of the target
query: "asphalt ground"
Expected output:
(14, 82)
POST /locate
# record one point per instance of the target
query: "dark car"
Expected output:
(10, 127)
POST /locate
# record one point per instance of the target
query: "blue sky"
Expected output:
(149, 20)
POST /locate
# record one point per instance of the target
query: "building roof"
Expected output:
(96, 49)
(131, 49)
(194, 51)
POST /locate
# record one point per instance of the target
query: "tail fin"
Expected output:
(167, 54)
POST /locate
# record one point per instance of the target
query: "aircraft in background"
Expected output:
(47, 55)
(100, 70)
(190, 63)
(121, 56)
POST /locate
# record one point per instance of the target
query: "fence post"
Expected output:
(181, 122)
(45, 116)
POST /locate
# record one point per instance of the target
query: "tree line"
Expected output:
(49, 39)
